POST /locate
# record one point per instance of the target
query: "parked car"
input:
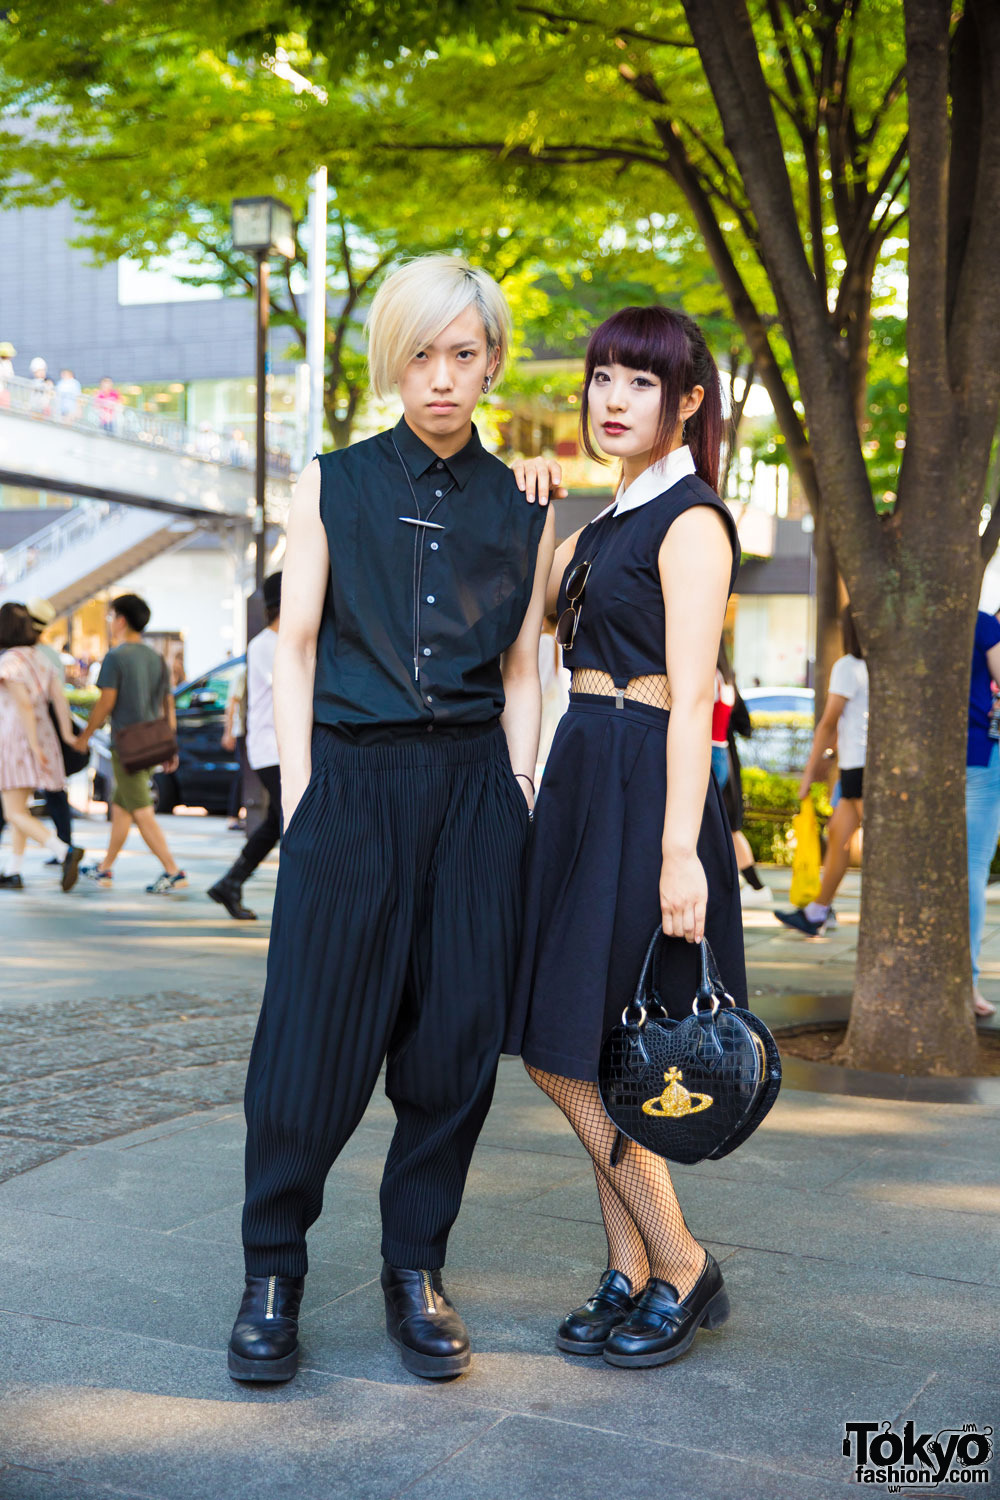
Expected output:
(779, 700)
(205, 772)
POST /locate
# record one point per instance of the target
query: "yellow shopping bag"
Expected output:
(806, 860)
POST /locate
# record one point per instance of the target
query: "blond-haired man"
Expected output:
(407, 706)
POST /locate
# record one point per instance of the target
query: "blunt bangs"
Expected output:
(640, 338)
(670, 345)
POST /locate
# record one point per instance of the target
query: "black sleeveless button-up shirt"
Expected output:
(622, 627)
(431, 572)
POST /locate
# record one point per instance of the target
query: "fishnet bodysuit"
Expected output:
(647, 1235)
(654, 690)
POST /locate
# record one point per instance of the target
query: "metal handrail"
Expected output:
(33, 398)
(71, 528)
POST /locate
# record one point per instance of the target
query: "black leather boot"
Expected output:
(229, 892)
(431, 1338)
(663, 1327)
(586, 1329)
(264, 1344)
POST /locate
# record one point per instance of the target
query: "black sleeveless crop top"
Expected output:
(622, 626)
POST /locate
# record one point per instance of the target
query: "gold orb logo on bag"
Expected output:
(675, 1102)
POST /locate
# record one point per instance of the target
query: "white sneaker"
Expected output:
(750, 897)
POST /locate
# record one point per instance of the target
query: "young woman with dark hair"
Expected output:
(630, 825)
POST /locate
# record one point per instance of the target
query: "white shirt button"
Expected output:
(439, 464)
(431, 599)
(429, 698)
(438, 493)
(427, 650)
(434, 546)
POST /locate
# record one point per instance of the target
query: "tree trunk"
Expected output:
(912, 1010)
(827, 594)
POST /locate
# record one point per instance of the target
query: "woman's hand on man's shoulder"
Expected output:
(539, 478)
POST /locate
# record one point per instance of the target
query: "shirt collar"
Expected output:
(653, 481)
(419, 458)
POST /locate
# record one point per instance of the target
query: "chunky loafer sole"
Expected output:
(241, 1368)
(578, 1346)
(429, 1366)
(713, 1315)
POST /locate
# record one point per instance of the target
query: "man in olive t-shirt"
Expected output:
(135, 688)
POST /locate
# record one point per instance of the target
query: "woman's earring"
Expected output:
(486, 384)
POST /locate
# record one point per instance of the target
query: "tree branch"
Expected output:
(728, 48)
(927, 46)
(626, 32)
(891, 96)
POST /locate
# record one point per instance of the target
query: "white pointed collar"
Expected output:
(651, 482)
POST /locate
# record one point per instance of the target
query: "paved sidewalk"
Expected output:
(858, 1238)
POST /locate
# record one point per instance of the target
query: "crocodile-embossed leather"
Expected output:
(693, 1089)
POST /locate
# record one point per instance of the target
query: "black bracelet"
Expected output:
(521, 776)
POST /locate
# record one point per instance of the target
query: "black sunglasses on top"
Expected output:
(569, 621)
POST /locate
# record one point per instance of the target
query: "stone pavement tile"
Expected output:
(839, 1228)
(521, 1456)
(782, 1402)
(140, 1282)
(166, 1422)
(949, 1401)
(22, 1153)
(205, 1138)
(117, 1187)
(911, 1177)
(803, 1304)
(36, 1484)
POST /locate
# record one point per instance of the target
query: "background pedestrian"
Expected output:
(753, 891)
(41, 388)
(262, 755)
(844, 723)
(69, 394)
(30, 753)
(135, 688)
(108, 402)
(7, 352)
(982, 785)
(234, 739)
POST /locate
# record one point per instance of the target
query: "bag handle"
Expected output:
(711, 992)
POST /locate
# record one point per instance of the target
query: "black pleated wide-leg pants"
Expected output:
(395, 936)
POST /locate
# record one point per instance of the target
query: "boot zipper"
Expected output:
(428, 1290)
(272, 1283)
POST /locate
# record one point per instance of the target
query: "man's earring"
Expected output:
(486, 384)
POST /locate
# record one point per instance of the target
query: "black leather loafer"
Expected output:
(662, 1327)
(265, 1340)
(431, 1338)
(586, 1329)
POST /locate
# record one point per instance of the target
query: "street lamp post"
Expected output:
(262, 227)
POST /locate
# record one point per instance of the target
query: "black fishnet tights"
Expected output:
(647, 1235)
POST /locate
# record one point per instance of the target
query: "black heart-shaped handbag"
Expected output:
(690, 1090)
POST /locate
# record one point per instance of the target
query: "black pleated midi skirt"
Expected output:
(592, 894)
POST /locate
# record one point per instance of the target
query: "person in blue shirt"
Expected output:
(982, 787)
